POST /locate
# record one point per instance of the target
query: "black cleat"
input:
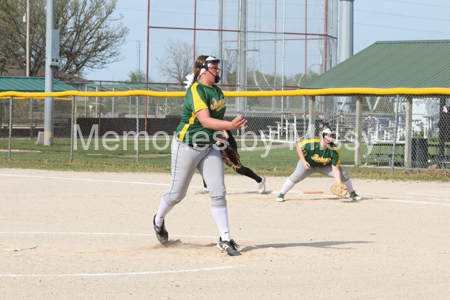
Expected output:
(229, 246)
(354, 196)
(161, 233)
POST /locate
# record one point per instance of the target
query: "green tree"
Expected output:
(137, 76)
(90, 34)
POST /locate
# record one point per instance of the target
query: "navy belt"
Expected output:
(199, 145)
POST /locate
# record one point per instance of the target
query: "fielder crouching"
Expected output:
(319, 155)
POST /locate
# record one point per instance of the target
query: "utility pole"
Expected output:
(51, 60)
(139, 57)
(28, 40)
(242, 54)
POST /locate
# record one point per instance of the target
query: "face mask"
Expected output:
(216, 77)
(331, 138)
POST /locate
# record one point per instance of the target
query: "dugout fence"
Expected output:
(395, 128)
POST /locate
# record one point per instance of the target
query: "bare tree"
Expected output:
(90, 34)
(177, 61)
(231, 58)
(2, 63)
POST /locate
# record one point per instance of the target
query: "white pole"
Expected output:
(345, 43)
(49, 101)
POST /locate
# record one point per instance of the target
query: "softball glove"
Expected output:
(339, 189)
(231, 158)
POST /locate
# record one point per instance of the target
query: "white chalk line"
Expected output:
(406, 201)
(115, 234)
(104, 233)
(108, 181)
(84, 179)
(129, 182)
(163, 184)
(434, 195)
(116, 274)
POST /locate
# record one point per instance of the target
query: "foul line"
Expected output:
(85, 179)
(164, 184)
(103, 233)
(115, 274)
(405, 201)
(110, 181)
(435, 195)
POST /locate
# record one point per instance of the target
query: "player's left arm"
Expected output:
(336, 173)
(222, 138)
(335, 163)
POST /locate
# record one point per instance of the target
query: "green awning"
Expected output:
(391, 64)
(30, 84)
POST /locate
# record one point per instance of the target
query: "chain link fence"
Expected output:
(397, 131)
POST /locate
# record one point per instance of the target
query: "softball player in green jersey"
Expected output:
(194, 147)
(319, 155)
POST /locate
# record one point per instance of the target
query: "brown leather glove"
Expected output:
(339, 189)
(231, 158)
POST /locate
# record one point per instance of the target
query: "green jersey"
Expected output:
(318, 157)
(198, 97)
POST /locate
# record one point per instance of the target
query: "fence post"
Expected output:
(85, 103)
(137, 130)
(442, 102)
(395, 133)
(408, 132)
(31, 117)
(312, 117)
(358, 130)
(10, 126)
(304, 116)
(72, 124)
(1, 119)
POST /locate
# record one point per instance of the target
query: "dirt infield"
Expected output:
(73, 235)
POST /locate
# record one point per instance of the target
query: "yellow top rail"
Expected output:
(299, 92)
(36, 98)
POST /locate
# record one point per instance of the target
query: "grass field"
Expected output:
(156, 158)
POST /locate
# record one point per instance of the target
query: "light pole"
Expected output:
(28, 40)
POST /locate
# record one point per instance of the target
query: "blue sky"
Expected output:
(375, 20)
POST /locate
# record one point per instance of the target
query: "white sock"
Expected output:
(287, 186)
(163, 210)
(221, 217)
(349, 185)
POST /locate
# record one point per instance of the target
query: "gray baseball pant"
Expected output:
(208, 161)
(301, 173)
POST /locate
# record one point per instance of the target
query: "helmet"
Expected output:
(327, 131)
(210, 60)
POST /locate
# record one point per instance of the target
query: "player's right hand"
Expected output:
(238, 123)
(306, 165)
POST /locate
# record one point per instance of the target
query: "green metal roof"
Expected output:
(30, 84)
(391, 64)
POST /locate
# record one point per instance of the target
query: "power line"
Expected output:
(375, 12)
(415, 3)
(403, 28)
